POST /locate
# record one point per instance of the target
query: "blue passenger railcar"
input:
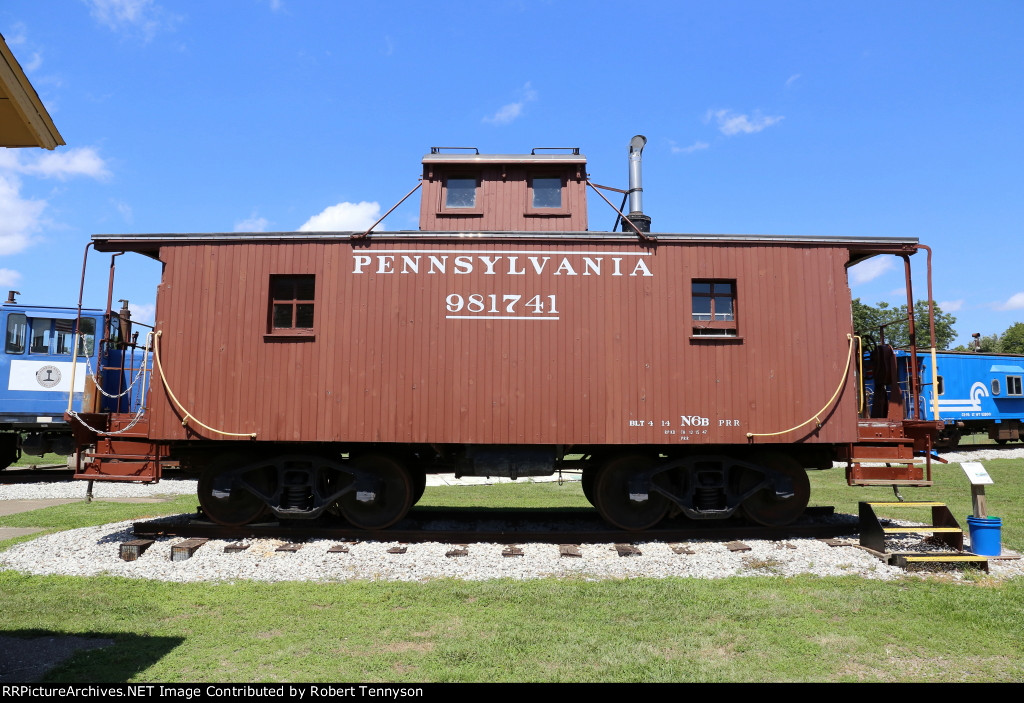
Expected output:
(975, 392)
(36, 377)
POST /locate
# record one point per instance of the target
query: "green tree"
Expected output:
(868, 319)
(1012, 340)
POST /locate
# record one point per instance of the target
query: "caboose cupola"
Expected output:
(466, 191)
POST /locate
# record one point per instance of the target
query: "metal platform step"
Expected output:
(905, 560)
(944, 529)
(893, 482)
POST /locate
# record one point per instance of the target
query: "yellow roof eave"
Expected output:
(24, 121)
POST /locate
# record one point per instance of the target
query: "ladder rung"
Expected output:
(926, 528)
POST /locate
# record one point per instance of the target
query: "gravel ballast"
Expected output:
(95, 550)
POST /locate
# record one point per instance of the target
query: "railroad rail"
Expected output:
(468, 526)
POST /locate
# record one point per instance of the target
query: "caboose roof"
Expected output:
(529, 159)
(149, 244)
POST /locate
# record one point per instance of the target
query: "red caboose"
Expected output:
(299, 372)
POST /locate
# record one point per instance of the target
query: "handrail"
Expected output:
(815, 417)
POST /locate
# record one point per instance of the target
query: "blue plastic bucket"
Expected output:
(985, 533)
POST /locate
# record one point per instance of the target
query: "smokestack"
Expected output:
(636, 189)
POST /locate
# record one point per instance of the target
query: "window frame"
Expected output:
(477, 210)
(86, 339)
(560, 211)
(9, 343)
(290, 333)
(1014, 387)
(713, 328)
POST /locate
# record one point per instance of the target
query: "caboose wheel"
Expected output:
(611, 492)
(392, 497)
(587, 483)
(419, 484)
(223, 499)
(765, 507)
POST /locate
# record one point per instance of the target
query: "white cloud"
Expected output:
(729, 123)
(125, 210)
(9, 277)
(1015, 302)
(80, 161)
(510, 112)
(130, 16)
(950, 305)
(143, 312)
(343, 217)
(792, 79)
(253, 223)
(696, 146)
(870, 270)
(21, 216)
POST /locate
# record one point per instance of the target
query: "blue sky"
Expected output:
(802, 118)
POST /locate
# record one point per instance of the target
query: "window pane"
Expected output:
(304, 288)
(304, 316)
(547, 192)
(65, 332)
(282, 288)
(701, 288)
(16, 331)
(702, 308)
(461, 192)
(723, 308)
(41, 336)
(282, 316)
(87, 335)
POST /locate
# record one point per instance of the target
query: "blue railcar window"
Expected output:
(42, 333)
(56, 337)
(17, 330)
(941, 386)
(1013, 385)
(995, 386)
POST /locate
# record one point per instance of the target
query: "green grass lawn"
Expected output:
(44, 460)
(735, 629)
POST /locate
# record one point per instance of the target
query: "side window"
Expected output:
(56, 337)
(941, 386)
(86, 336)
(460, 193)
(546, 196)
(17, 329)
(42, 333)
(714, 308)
(1013, 385)
(546, 193)
(292, 300)
(995, 386)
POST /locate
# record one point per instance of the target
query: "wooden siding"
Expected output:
(617, 364)
(503, 198)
